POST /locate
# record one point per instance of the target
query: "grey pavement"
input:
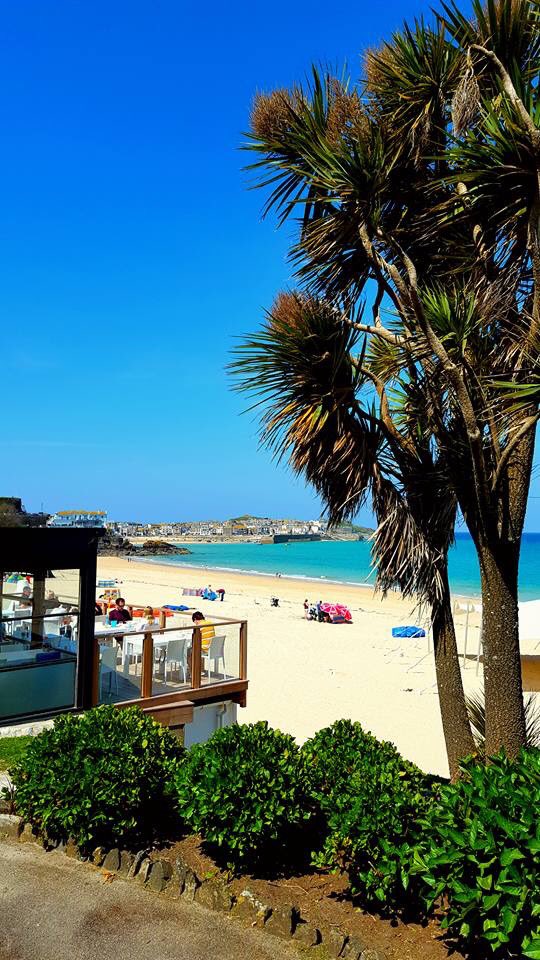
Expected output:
(55, 908)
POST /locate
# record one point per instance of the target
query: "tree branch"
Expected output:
(405, 444)
(376, 330)
(509, 88)
(511, 446)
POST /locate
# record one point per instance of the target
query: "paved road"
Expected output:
(54, 908)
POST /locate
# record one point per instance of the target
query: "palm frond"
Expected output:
(300, 371)
(476, 709)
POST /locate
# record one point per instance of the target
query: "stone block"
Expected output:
(334, 941)
(307, 933)
(251, 910)
(126, 861)
(98, 856)
(371, 955)
(112, 861)
(159, 875)
(71, 849)
(29, 834)
(185, 881)
(10, 825)
(281, 922)
(354, 948)
(138, 859)
(144, 869)
(215, 895)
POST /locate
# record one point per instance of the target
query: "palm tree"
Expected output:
(419, 191)
(324, 406)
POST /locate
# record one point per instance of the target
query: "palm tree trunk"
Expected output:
(505, 717)
(454, 716)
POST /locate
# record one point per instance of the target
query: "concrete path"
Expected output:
(55, 908)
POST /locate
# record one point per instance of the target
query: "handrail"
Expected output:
(121, 631)
(147, 663)
(39, 616)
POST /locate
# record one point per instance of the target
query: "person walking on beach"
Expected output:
(306, 609)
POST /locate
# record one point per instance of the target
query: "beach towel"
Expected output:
(174, 606)
(191, 592)
(408, 632)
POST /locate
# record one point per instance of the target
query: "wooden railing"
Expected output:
(233, 686)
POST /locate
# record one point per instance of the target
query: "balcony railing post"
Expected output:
(243, 650)
(196, 651)
(95, 674)
(147, 665)
(162, 619)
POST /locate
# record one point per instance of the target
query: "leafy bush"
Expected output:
(102, 778)
(480, 854)
(369, 797)
(244, 791)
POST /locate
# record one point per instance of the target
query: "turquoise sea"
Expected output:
(349, 562)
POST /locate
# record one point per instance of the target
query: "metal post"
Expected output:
(466, 636)
(88, 650)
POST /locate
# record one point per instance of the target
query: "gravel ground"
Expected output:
(55, 908)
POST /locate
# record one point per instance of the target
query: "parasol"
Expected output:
(337, 612)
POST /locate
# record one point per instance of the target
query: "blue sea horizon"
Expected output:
(349, 562)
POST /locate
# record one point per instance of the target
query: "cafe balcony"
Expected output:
(57, 656)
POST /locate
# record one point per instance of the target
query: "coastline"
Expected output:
(298, 578)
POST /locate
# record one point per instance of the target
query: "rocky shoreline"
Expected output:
(113, 545)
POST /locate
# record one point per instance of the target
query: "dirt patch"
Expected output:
(321, 899)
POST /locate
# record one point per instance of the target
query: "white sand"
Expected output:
(304, 675)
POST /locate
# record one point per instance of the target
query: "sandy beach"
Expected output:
(304, 675)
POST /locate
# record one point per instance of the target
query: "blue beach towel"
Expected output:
(173, 606)
(408, 632)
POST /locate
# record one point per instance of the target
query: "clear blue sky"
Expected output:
(131, 252)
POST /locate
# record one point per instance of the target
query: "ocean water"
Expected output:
(350, 562)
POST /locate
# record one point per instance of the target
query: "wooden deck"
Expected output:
(149, 691)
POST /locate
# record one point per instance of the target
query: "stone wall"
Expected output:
(174, 877)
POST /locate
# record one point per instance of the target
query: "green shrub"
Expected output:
(11, 749)
(480, 855)
(369, 797)
(244, 792)
(103, 778)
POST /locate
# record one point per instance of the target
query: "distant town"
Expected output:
(238, 527)
(12, 513)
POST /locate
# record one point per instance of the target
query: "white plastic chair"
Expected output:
(109, 658)
(175, 654)
(133, 648)
(216, 653)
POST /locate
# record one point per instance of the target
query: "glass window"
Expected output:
(38, 642)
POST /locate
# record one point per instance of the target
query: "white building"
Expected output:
(78, 518)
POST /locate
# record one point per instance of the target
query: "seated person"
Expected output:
(206, 628)
(148, 619)
(119, 612)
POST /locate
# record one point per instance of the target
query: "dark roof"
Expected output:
(24, 549)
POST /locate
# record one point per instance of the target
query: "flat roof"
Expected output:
(26, 549)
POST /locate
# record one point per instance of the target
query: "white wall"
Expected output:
(208, 719)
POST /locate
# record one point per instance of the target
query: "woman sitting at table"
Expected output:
(148, 618)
